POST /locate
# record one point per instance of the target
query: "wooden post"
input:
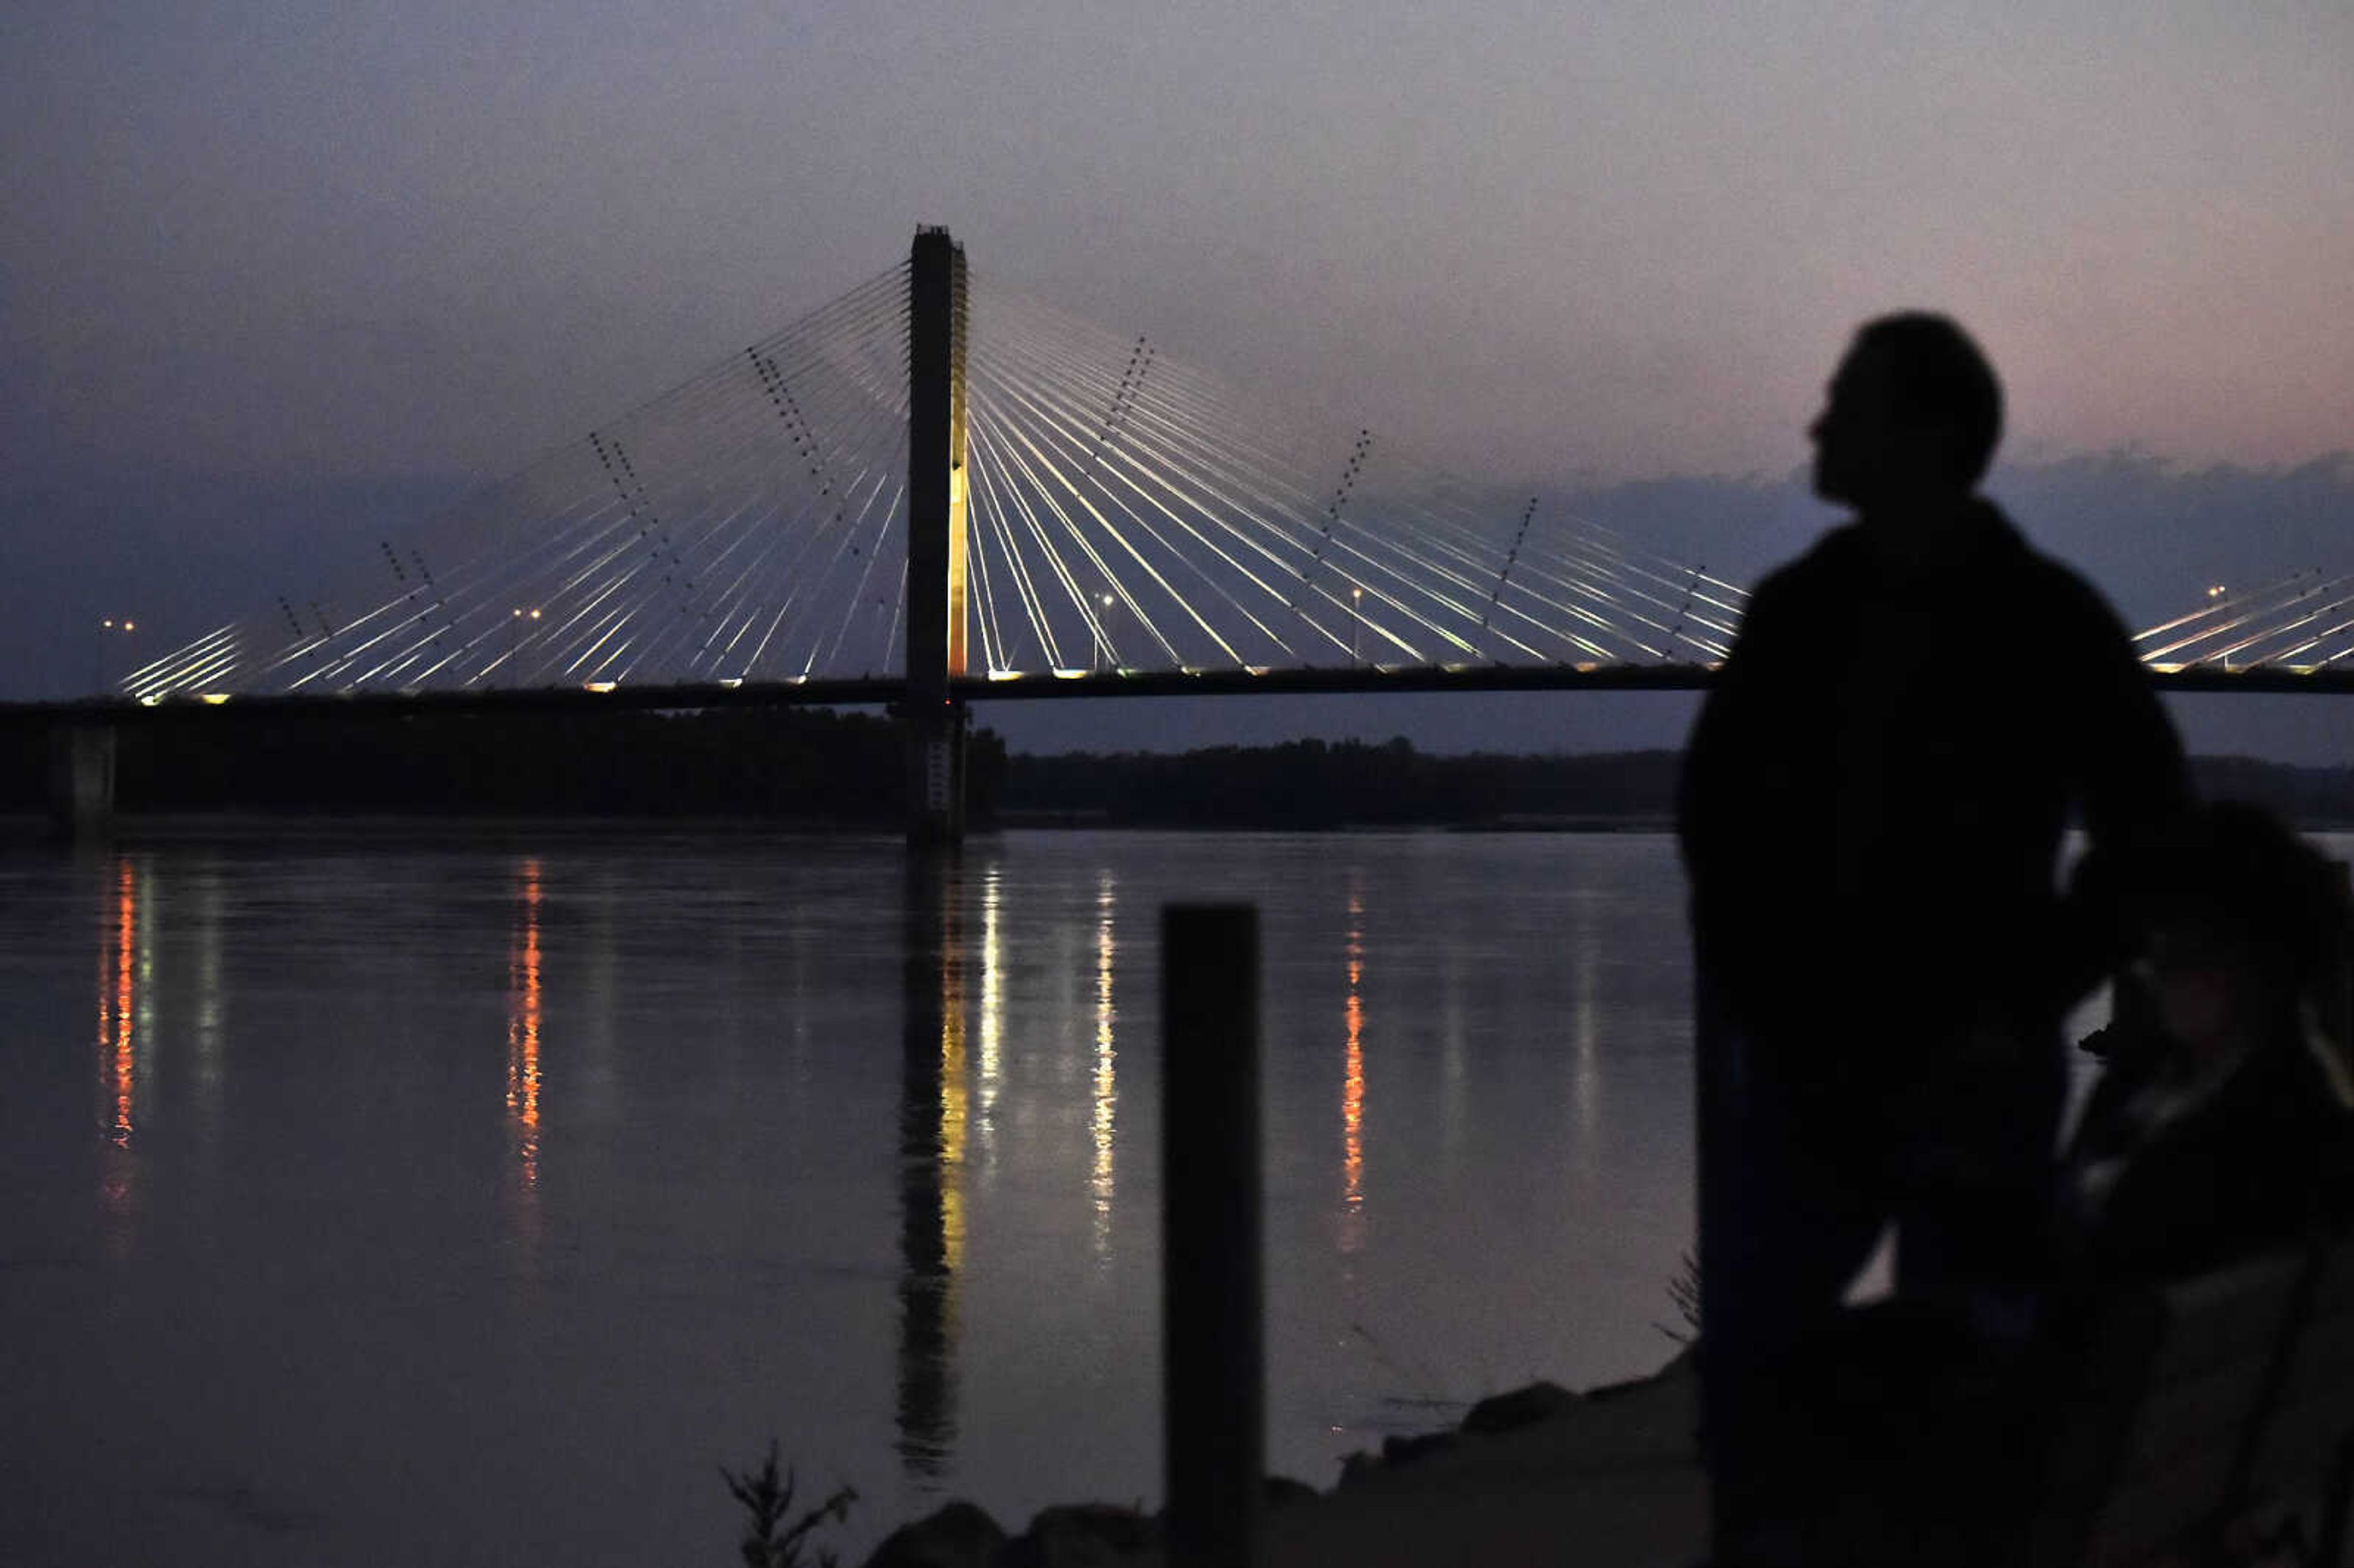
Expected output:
(1211, 1297)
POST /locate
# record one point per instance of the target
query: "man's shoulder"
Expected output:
(2049, 584)
(1830, 564)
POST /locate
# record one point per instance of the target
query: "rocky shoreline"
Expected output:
(1611, 1472)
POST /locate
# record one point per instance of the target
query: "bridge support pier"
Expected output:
(934, 720)
(936, 747)
(81, 781)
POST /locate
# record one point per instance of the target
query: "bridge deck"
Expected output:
(890, 689)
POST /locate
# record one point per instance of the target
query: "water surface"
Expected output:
(470, 1198)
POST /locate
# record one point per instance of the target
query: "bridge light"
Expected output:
(598, 685)
(2216, 591)
(731, 681)
(212, 699)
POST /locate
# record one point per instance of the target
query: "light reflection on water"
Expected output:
(524, 1010)
(1106, 1084)
(1353, 1078)
(547, 1177)
(124, 1014)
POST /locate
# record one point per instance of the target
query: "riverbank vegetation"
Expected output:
(791, 763)
(1321, 784)
(816, 765)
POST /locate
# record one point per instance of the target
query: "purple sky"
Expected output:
(305, 249)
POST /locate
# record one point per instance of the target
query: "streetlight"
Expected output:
(1357, 620)
(515, 618)
(1103, 628)
(109, 626)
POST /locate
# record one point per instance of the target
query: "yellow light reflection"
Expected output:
(1107, 1076)
(1583, 1144)
(523, 1029)
(210, 1014)
(1352, 1083)
(954, 1093)
(1586, 1052)
(1453, 1046)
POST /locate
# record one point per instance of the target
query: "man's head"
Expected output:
(1912, 417)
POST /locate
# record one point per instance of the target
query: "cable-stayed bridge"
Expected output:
(1121, 515)
(932, 491)
(2295, 634)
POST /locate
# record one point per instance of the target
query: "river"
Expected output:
(410, 1196)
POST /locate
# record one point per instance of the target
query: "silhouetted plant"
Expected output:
(1684, 1291)
(1420, 1378)
(767, 1497)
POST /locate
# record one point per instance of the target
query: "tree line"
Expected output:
(819, 765)
(777, 763)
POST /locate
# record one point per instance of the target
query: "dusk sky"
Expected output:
(268, 268)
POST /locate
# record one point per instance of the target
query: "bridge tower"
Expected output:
(934, 718)
(81, 781)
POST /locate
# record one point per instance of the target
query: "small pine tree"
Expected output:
(767, 1497)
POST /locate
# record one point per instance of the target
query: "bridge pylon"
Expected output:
(934, 719)
(81, 782)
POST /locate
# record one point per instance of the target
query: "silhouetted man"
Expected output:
(1871, 809)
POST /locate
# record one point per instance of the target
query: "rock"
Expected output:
(1521, 1407)
(1682, 1363)
(1282, 1492)
(1406, 1450)
(1396, 1450)
(1080, 1535)
(957, 1536)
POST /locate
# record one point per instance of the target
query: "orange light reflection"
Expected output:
(126, 924)
(1353, 1081)
(118, 1059)
(523, 1030)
